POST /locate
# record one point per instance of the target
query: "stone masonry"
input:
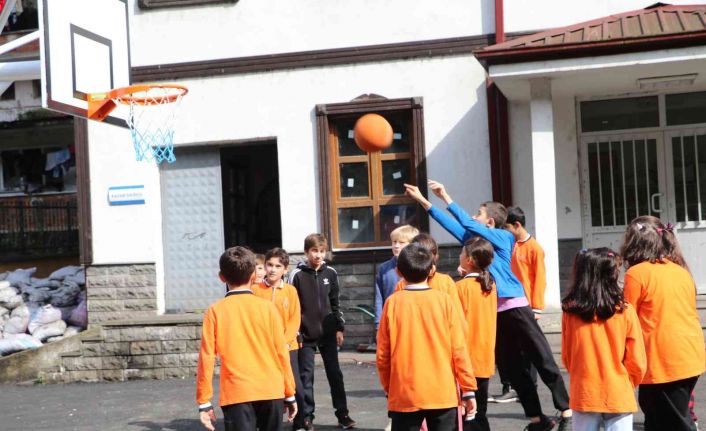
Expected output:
(160, 347)
(117, 292)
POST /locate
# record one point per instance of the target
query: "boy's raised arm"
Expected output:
(448, 223)
(494, 236)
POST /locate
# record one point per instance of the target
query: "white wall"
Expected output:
(528, 15)
(282, 105)
(277, 26)
(566, 167)
(129, 233)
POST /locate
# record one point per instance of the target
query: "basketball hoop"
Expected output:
(151, 118)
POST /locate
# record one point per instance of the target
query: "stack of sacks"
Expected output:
(34, 310)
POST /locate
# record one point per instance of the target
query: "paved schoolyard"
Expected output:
(169, 405)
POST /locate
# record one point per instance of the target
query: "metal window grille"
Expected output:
(623, 180)
(689, 170)
(29, 231)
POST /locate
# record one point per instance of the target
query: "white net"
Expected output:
(151, 119)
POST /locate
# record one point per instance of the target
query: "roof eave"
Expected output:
(590, 49)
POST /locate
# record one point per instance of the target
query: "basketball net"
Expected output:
(151, 119)
(151, 116)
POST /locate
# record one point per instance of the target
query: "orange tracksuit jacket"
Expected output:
(664, 296)
(481, 311)
(527, 264)
(246, 333)
(441, 282)
(421, 351)
(606, 360)
(284, 297)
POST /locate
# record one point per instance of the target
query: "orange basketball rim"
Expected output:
(100, 105)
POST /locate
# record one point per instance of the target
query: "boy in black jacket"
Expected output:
(322, 327)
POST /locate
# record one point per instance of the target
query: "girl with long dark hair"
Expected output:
(479, 300)
(660, 287)
(601, 345)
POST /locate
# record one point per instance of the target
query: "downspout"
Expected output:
(498, 126)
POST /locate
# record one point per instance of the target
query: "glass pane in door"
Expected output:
(622, 177)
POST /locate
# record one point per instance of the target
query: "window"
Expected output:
(37, 170)
(619, 114)
(686, 108)
(689, 167)
(9, 93)
(363, 193)
(623, 179)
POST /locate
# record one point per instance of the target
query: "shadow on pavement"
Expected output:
(334, 427)
(366, 393)
(174, 425)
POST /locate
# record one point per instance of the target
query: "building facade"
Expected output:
(265, 153)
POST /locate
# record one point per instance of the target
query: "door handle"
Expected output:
(652, 202)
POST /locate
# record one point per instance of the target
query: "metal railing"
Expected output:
(43, 230)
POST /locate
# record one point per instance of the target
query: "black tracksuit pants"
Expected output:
(263, 415)
(480, 422)
(519, 337)
(666, 405)
(437, 420)
(329, 353)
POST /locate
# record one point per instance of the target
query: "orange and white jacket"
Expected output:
(421, 351)
(480, 310)
(527, 264)
(664, 296)
(285, 299)
(246, 333)
(441, 282)
(605, 359)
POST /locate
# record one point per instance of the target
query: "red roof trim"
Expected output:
(657, 26)
(582, 49)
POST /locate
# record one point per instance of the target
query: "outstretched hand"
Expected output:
(440, 191)
(414, 193)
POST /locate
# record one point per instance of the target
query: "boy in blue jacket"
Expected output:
(518, 334)
(387, 278)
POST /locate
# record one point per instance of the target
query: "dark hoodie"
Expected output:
(318, 296)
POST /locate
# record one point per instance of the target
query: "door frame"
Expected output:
(664, 194)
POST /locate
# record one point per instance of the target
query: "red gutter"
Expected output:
(498, 127)
(499, 22)
(574, 50)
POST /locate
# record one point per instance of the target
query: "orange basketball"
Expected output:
(373, 133)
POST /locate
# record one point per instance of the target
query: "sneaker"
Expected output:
(306, 426)
(545, 424)
(389, 425)
(507, 397)
(346, 422)
(565, 424)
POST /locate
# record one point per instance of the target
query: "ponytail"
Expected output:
(481, 251)
(486, 280)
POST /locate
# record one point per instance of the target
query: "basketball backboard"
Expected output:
(84, 48)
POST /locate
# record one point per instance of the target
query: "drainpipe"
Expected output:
(498, 127)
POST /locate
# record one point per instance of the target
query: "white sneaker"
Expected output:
(389, 425)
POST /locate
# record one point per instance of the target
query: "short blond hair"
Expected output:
(404, 233)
